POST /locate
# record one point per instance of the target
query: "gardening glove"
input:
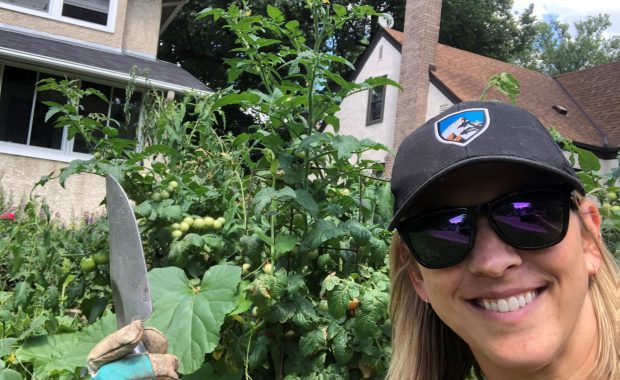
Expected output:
(112, 358)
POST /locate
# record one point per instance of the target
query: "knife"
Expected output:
(130, 286)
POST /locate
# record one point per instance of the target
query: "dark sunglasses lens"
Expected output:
(441, 239)
(531, 220)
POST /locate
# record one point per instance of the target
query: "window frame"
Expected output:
(55, 13)
(370, 121)
(65, 153)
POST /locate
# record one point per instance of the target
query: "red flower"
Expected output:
(7, 216)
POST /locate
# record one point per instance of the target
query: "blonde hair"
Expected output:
(424, 348)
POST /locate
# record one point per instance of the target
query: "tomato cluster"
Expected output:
(196, 223)
(165, 192)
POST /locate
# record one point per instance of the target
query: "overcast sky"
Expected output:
(569, 11)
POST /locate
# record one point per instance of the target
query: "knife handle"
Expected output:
(139, 349)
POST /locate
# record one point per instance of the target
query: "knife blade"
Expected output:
(130, 286)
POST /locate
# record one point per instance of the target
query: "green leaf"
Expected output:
(64, 352)
(313, 341)
(51, 112)
(143, 209)
(174, 212)
(340, 10)
(382, 81)
(191, 317)
(339, 297)
(305, 200)
(588, 162)
(9, 374)
(21, 295)
(7, 345)
(339, 344)
(266, 195)
(346, 145)
(321, 231)
(285, 243)
(358, 231)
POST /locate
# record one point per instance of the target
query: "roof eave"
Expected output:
(95, 71)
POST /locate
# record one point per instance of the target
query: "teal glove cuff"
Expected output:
(133, 367)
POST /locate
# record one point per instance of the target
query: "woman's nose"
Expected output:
(491, 256)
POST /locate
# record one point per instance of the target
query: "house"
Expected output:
(583, 106)
(95, 41)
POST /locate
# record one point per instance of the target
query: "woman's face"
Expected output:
(555, 332)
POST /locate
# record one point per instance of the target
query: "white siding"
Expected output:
(437, 102)
(354, 108)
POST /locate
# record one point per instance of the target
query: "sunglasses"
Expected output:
(526, 220)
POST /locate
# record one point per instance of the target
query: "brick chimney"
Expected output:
(421, 36)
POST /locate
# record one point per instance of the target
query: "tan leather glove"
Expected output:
(111, 357)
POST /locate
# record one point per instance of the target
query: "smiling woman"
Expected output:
(498, 268)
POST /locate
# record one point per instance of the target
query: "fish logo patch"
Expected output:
(462, 127)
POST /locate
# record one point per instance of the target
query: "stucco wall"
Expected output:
(136, 28)
(354, 108)
(436, 99)
(142, 26)
(82, 193)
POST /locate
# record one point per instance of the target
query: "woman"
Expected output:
(498, 267)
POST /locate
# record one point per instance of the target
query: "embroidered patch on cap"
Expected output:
(462, 127)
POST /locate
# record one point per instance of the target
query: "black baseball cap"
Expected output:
(469, 133)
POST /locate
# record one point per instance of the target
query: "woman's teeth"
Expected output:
(505, 305)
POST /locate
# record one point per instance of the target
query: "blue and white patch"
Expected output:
(462, 127)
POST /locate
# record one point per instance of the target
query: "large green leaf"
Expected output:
(9, 374)
(65, 352)
(191, 315)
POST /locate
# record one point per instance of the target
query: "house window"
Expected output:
(376, 102)
(37, 5)
(95, 11)
(92, 13)
(22, 115)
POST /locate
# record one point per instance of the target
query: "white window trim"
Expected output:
(65, 153)
(55, 13)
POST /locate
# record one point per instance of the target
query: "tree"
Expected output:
(556, 51)
(486, 27)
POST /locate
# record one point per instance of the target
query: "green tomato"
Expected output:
(97, 155)
(87, 264)
(245, 269)
(323, 305)
(156, 197)
(268, 268)
(176, 234)
(173, 184)
(189, 220)
(101, 258)
(165, 194)
(169, 189)
(183, 226)
(175, 226)
(209, 221)
(199, 223)
(313, 254)
(612, 196)
(221, 219)
(217, 224)
(615, 208)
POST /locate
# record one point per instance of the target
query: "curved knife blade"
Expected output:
(130, 286)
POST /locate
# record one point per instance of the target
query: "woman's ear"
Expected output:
(413, 270)
(590, 234)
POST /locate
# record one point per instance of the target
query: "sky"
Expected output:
(569, 11)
